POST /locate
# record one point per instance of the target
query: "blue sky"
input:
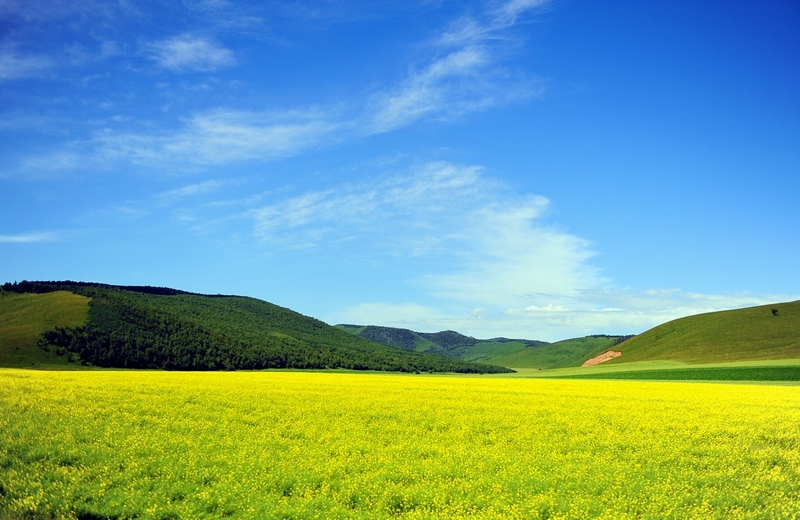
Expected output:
(521, 168)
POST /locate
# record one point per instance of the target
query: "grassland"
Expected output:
(716, 372)
(124, 444)
(766, 332)
(24, 317)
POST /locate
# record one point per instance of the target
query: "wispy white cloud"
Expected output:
(441, 88)
(28, 238)
(458, 72)
(27, 48)
(190, 190)
(563, 318)
(188, 52)
(610, 310)
(478, 244)
(507, 13)
(515, 261)
(226, 135)
(207, 139)
(485, 261)
(416, 211)
(460, 78)
(14, 65)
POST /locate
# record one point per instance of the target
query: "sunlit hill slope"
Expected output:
(766, 332)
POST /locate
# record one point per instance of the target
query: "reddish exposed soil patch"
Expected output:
(602, 358)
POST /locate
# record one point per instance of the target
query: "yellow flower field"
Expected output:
(121, 444)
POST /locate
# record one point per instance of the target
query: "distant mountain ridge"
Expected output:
(447, 342)
(159, 327)
(515, 353)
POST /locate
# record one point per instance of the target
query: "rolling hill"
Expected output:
(752, 344)
(62, 324)
(560, 354)
(767, 332)
(44, 323)
(514, 353)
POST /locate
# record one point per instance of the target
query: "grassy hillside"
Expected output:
(146, 327)
(23, 319)
(755, 333)
(514, 353)
(565, 353)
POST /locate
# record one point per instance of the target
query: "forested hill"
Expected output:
(445, 343)
(156, 327)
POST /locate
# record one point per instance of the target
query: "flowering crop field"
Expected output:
(124, 444)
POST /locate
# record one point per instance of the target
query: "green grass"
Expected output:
(779, 370)
(24, 317)
(765, 373)
(754, 333)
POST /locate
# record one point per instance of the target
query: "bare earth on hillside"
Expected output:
(602, 358)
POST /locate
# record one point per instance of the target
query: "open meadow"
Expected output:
(155, 444)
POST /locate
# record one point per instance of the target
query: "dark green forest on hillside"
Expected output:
(155, 327)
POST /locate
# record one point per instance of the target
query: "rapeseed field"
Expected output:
(122, 444)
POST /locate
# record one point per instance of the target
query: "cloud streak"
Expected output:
(423, 205)
(459, 78)
(482, 244)
(191, 190)
(486, 261)
(28, 238)
(460, 72)
(15, 66)
(188, 52)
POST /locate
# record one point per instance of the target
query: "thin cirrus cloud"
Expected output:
(459, 75)
(28, 238)
(188, 52)
(191, 190)
(460, 78)
(221, 136)
(208, 139)
(14, 66)
(391, 207)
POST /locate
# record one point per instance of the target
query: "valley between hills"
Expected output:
(81, 325)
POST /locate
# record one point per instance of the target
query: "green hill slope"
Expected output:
(147, 327)
(751, 334)
(25, 317)
(566, 353)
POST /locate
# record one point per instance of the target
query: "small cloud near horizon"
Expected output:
(28, 238)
